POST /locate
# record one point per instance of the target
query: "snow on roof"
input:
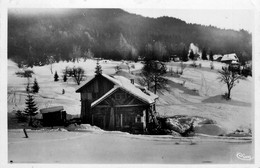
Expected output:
(51, 109)
(135, 89)
(216, 56)
(125, 84)
(228, 57)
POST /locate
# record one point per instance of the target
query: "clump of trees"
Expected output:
(32, 40)
(35, 87)
(230, 78)
(76, 73)
(25, 74)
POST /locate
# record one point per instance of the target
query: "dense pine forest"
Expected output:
(68, 34)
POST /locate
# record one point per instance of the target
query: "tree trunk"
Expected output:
(155, 85)
(229, 92)
(30, 121)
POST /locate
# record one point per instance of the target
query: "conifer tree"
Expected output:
(56, 77)
(65, 78)
(35, 87)
(98, 68)
(28, 87)
(191, 55)
(31, 108)
(184, 55)
(211, 56)
(204, 54)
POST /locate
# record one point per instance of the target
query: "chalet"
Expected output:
(174, 58)
(229, 58)
(116, 103)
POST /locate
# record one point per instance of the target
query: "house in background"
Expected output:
(175, 58)
(116, 103)
(229, 58)
(217, 57)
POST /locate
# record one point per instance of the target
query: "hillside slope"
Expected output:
(112, 33)
(199, 96)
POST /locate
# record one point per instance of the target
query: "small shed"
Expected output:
(53, 116)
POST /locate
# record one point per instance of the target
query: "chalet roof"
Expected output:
(125, 84)
(84, 83)
(229, 57)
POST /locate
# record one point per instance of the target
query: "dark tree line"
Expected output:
(113, 34)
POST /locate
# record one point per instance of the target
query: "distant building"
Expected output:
(53, 116)
(217, 57)
(175, 58)
(116, 103)
(229, 58)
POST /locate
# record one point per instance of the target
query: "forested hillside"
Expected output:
(67, 34)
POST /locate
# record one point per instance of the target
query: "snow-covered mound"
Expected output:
(83, 127)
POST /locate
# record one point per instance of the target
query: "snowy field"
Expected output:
(195, 93)
(114, 147)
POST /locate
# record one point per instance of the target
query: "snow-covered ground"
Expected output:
(196, 92)
(115, 147)
(50, 93)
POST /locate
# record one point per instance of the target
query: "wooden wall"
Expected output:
(96, 88)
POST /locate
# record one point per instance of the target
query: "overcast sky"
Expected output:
(229, 14)
(228, 19)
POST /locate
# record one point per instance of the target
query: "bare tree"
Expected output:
(51, 61)
(78, 74)
(152, 74)
(183, 66)
(230, 78)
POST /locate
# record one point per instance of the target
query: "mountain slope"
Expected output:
(112, 33)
